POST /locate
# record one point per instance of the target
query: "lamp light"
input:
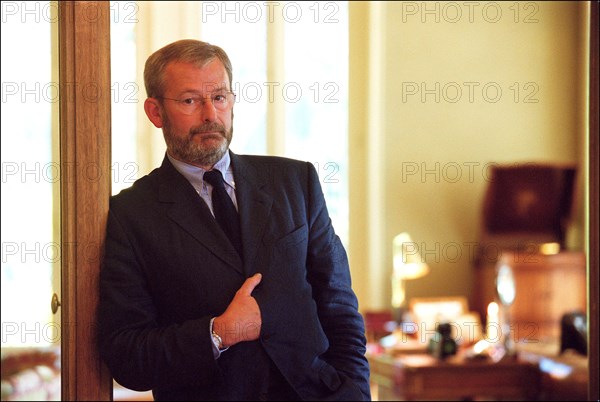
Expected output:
(408, 265)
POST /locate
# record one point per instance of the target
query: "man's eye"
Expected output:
(189, 101)
(219, 98)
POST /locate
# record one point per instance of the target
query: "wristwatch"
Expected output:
(217, 340)
(215, 337)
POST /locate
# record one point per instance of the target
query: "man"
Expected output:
(192, 310)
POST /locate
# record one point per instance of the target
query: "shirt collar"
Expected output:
(195, 174)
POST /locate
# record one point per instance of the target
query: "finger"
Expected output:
(250, 283)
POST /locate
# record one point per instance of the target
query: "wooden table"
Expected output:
(422, 377)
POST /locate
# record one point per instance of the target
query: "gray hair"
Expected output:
(185, 50)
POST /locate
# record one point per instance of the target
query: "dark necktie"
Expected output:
(225, 212)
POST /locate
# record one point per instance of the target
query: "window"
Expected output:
(290, 74)
(126, 95)
(245, 41)
(313, 88)
(316, 93)
(30, 175)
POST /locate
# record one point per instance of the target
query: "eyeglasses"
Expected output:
(222, 101)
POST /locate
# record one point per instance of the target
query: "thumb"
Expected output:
(251, 283)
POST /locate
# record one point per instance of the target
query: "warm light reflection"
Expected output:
(493, 309)
(492, 328)
(481, 346)
(550, 248)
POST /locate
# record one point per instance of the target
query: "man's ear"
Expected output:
(152, 109)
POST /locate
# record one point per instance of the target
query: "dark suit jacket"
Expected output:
(168, 268)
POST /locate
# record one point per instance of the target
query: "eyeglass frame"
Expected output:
(202, 101)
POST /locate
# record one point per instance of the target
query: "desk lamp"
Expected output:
(408, 265)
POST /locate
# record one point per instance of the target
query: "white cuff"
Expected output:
(216, 340)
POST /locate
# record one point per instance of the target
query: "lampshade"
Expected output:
(408, 263)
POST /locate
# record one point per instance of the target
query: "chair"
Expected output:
(573, 332)
(377, 324)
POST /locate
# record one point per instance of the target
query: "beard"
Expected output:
(184, 148)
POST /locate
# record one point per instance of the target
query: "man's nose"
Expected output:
(209, 113)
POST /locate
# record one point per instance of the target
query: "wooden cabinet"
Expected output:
(547, 286)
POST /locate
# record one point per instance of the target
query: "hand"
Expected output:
(241, 321)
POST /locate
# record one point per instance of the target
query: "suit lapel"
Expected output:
(191, 213)
(254, 206)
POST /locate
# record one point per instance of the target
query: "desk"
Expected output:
(423, 377)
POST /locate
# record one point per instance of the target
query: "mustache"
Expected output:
(208, 127)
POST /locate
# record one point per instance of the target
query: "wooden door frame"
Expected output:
(593, 238)
(85, 133)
